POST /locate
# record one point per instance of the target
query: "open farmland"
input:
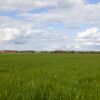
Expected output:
(49, 76)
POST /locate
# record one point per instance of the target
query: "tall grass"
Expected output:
(49, 77)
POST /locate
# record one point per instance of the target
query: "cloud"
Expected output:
(32, 4)
(12, 34)
(30, 28)
(91, 33)
(28, 36)
(89, 37)
(23, 5)
(70, 12)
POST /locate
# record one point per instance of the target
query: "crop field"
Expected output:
(49, 76)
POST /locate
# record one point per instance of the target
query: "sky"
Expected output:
(50, 25)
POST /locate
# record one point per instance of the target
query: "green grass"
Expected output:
(49, 76)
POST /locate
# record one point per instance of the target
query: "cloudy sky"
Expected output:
(50, 24)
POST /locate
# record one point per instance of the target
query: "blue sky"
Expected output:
(93, 1)
(50, 24)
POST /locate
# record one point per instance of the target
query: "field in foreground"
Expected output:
(49, 76)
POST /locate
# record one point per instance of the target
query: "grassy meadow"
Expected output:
(49, 76)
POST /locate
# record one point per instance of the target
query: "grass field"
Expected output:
(49, 76)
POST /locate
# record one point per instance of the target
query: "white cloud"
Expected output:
(89, 37)
(23, 5)
(27, 28)
(70, 12)
(11, 34)
(34, 37)
(8, 34)
(31, 4)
